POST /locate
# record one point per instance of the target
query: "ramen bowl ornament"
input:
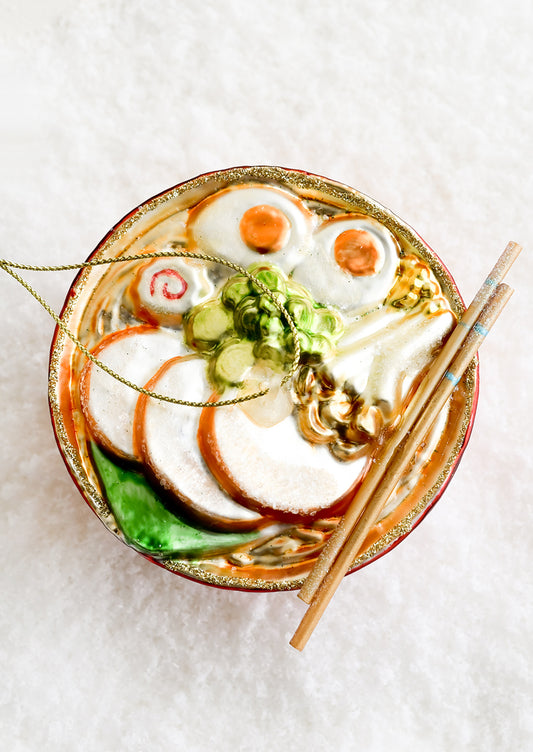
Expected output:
(277, 325)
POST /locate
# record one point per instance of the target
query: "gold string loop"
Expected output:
(9, 266)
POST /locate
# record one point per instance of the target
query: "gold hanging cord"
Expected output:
(9, 266)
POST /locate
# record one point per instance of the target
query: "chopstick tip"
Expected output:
(296, 645)
(303, 595)
(513, 249)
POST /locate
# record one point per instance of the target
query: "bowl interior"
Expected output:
(93, 309)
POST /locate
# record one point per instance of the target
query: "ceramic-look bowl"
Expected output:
(333, 251)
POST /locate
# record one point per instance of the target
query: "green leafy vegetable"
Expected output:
(146, 523)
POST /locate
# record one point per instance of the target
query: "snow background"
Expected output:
(426, 107)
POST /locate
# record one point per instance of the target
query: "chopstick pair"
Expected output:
(377, 486)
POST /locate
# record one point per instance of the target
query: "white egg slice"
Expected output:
(245, 223)
(108, 405)
(166, 438)
(164, 289)
(353, 263)
(273, 469)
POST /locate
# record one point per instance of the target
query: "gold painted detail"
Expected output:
(329, 414)
(416, 285)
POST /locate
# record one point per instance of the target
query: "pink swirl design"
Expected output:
(165, 291)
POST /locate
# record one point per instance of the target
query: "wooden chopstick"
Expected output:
(423, 393)
(401, 459)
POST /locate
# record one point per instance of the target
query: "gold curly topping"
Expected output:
(329, 414)
(416, 285)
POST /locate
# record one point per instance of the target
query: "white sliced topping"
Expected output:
(367, 327)
(333, 285)
(168, 438)
(109, 405)
(357, 347)
(401, 356)
(277, 469)
(382, 367)
(215, 225)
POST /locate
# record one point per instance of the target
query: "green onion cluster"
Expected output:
(242, 326)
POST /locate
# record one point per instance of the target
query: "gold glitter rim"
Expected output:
(305, 185)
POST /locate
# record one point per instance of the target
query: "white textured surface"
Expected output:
(428, 108)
